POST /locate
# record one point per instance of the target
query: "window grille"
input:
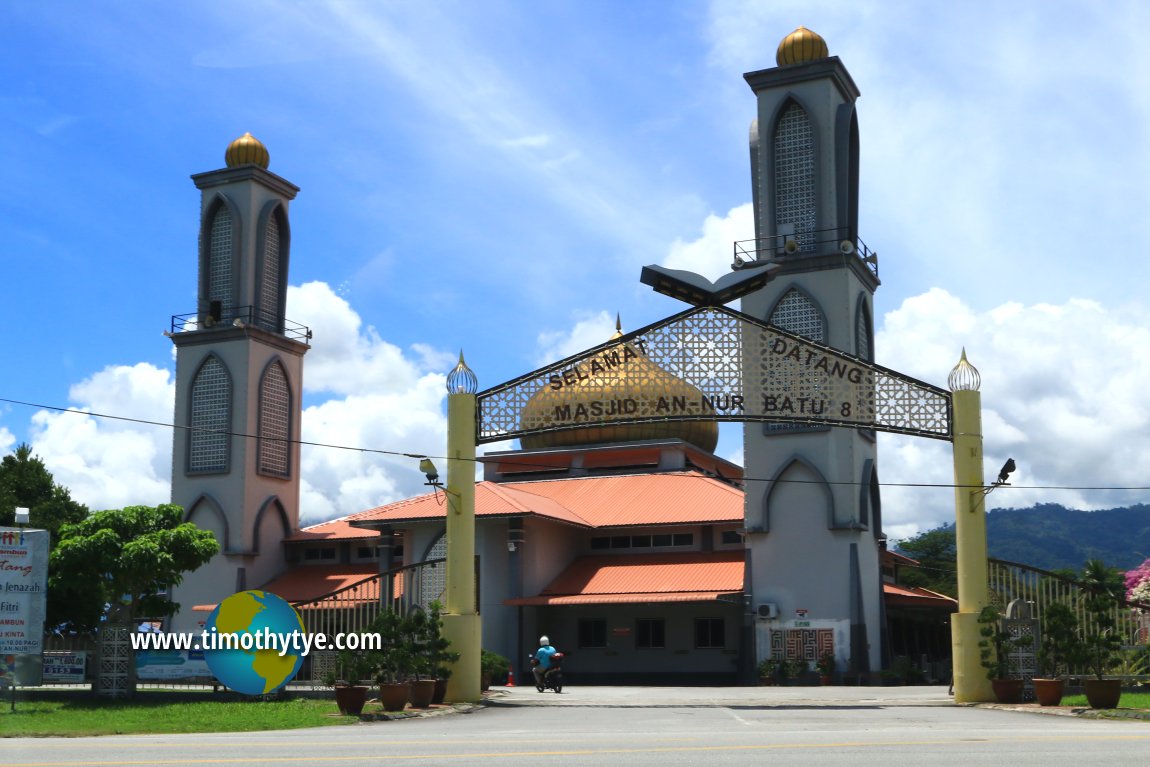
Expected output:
(211, 409)
(797, 313)
(270, 285)
(794, 154)
(862, 332)
(275, 422)
(220, 258)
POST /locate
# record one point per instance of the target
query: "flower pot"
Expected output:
(440, 693)
(1103, 693)
(394, 697)
(1007, 690)
(825, 679)
(422, 691)
(350, 699)
(1048, 692)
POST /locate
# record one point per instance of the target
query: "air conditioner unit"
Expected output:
(768, 610)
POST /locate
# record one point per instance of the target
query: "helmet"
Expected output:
(544, 641)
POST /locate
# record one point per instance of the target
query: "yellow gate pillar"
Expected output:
(461, 622)
(970, 682)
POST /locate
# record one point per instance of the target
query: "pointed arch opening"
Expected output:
(795, 194)
(219, 258)
(269, 512)
(206, 513)
(275, 422)
(272, 268)
(209, 419)
(864, 329)
(798, 485)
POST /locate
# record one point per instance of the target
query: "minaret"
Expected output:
(814, 523)
(239, 375)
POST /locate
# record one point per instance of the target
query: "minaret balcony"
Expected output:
(218, 317)
(788, 244)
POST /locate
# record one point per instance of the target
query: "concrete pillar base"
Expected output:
(465, 633)
(970, 682)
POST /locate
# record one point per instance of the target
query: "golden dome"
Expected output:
(247, 150)
(801, 46)
(620, 381)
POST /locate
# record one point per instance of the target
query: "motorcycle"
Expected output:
(553, 677)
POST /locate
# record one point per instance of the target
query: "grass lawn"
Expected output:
(81, 714)
(1129, 700)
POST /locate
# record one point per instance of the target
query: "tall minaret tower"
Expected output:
(239, 375)
(814, 525)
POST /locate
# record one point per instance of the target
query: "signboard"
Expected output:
(712, 364)
(23, 600)
(168, 665)
(65, 667)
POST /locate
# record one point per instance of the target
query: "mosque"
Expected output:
(632, 545)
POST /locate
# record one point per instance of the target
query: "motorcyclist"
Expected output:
(543, 655)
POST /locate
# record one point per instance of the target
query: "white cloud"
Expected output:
(711, 253)
(7, 441)
(588, 332)
(108, 463)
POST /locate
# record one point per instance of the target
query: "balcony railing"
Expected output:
(794, 244)
(242, 316)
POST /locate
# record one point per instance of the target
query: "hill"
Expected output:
(1053, 537)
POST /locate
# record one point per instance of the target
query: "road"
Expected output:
(649, 726)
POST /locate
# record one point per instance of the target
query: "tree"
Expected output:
(121, 564)
(26, 482)
(936, 553)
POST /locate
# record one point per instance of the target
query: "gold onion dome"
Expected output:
(620, 378)
(801, 46)
(247, 150)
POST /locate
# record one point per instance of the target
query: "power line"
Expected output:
(530, 464)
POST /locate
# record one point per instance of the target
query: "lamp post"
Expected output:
(970, 682)
(461, 621)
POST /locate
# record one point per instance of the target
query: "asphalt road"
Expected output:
(649, 726)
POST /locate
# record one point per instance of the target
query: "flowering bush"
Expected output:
(1136, 578)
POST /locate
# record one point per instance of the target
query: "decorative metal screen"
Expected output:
(794, 153)
(862, 331)
(712, 364)
(270, 280)
(433, 579)
(211, 408)
(220, 258)
(797, 313)
(275, 422)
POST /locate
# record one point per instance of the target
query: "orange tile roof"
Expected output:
(631, 499)
(913, 596)
(307, 582)
(332, 530)
(614, 579)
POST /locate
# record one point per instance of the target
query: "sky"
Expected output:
(492, 176)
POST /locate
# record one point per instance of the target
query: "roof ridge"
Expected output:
(504, 492)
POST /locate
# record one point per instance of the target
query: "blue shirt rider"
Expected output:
(543, 655)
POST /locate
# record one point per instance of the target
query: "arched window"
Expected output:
(863, 336)
(209, 440)
(221, 256)
(797, 313)
(269, 317)
(794, 162)
(275, 422)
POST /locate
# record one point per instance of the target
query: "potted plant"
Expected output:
(793, 670)
(352, 669)
(492, 666)
(994, 654)
(826, 667)
(1059, 650)
(437, 652)
(769, 670)
(1103, 590)
(395, 662)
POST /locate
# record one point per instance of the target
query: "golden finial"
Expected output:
(964, 377)
(801, 46)
(618, 327)
(247, 150)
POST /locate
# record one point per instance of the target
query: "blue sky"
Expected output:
(492, 176)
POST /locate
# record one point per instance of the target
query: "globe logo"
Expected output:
(248, 642)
